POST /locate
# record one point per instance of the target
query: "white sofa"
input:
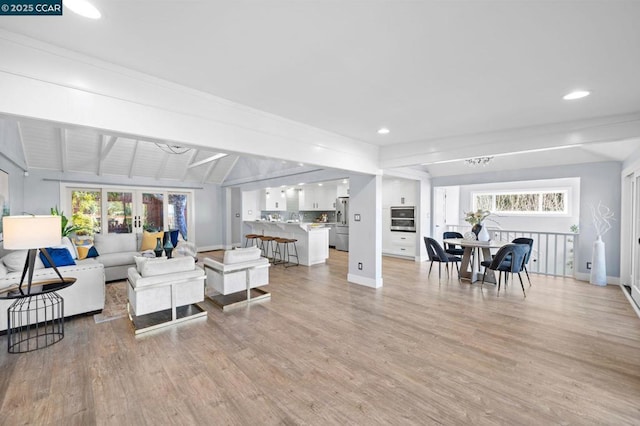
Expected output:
(159, 284)
(229, 276)
(116, 252)
(86, 295)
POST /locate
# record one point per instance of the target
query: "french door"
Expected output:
(125, 210)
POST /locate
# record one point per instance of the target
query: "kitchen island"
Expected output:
(313, 238)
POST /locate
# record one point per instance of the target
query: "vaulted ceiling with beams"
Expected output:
(51, 147)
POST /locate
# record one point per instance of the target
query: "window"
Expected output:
(552, 202)
(86, 210)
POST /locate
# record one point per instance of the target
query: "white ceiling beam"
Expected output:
(133, 159)
(24, 152)
(64, 160)
(231, 166)
(106, 148)
(194, 154)
(210, 170)
(208, 160)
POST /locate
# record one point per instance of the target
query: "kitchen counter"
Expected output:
(313, 238)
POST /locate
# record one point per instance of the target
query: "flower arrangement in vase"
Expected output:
(476, 219)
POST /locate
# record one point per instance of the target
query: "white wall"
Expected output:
(599, 182)
(365, 237)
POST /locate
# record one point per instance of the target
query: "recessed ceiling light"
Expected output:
(83, 8)
(319, 184)
(301, 183)
(576, 94)
(383, 131)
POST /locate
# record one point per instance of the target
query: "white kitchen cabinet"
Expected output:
(273, 200)
(401, 244)
(318, 198)
(342, 190)
(399, 192)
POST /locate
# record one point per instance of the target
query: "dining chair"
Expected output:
(453, 249)
(438, 254)
(509, 259)
(529, 242)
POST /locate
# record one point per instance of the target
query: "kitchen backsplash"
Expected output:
(303, 216)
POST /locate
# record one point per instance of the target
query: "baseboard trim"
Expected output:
(581, 276)
(367, 282)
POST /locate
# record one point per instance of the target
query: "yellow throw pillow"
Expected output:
(149, 240)
(85, 252)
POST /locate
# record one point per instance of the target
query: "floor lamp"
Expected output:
(31, 233)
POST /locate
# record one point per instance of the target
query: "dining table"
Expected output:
(474, 252)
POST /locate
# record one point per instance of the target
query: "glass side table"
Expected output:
(35, 320)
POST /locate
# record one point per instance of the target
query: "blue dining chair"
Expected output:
(525, 262)
(509, 259)
(437, 254)
(453, 249)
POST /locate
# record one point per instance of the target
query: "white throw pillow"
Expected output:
(14, 261)
(165, 266)
(240, 255)
(142, 260)
(3, 270)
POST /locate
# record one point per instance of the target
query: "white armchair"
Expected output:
(241, 269)
(156, 285)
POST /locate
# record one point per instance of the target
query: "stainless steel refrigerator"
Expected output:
(342, 227)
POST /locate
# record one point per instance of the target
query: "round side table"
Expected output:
(35, 320)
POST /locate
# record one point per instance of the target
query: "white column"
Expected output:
(365, 230)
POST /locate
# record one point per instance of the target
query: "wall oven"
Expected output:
(403, 219)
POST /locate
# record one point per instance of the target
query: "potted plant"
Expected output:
(66, 227)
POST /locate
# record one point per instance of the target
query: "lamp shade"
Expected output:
(29, 232)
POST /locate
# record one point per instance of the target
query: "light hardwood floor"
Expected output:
(323, 351)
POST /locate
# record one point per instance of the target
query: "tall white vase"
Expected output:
(483, 235)
(598, 264)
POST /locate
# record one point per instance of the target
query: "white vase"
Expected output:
(484, 235)
(598, 264)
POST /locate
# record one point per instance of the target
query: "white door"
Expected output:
(439, 212)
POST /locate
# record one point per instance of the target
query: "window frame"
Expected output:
(567, 204)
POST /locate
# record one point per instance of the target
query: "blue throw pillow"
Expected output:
(60, 256)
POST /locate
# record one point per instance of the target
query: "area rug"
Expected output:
(115, 303)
